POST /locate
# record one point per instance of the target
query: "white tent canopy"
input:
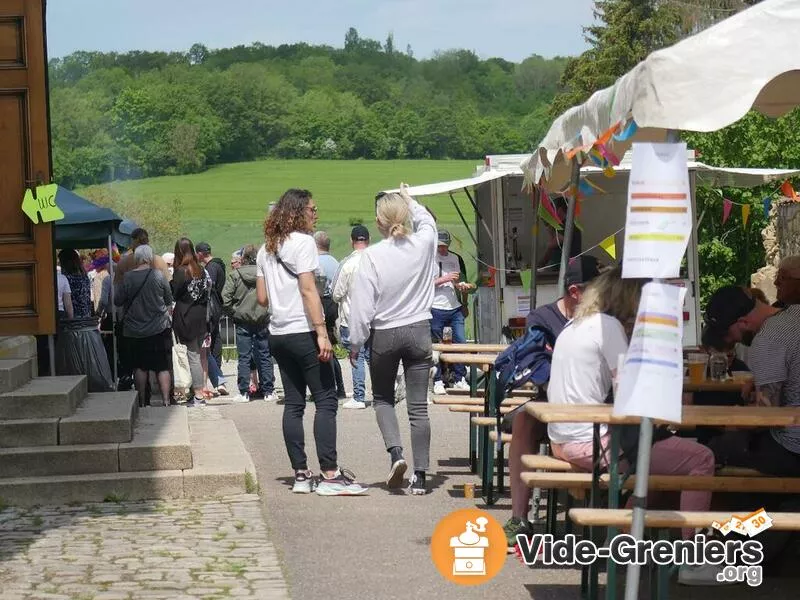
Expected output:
(703, 83)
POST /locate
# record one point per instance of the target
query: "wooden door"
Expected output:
(27, 279)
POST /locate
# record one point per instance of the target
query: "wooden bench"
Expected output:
(671, 519)
(460, 408)
(672, 483)
(546, 463)
(505, 438)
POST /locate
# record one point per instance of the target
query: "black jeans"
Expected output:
(300, 367)
(755, 449)
(252, 344)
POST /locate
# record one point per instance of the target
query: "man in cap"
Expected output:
(733, 315)
(342, 284)
(449, 306)
(528, 432)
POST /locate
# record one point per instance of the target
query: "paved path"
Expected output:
(177, 550)
(378, 546)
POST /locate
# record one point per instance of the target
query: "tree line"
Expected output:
(141, 114)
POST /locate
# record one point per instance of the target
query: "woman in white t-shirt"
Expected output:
(287, 266)
(583, 368)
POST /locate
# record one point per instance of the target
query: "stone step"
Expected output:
(15, 373)
(221, 466)
(102, 418)
(160, 443)
(44, 397)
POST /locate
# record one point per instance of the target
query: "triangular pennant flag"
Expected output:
(610, 246)
(578, 206)
(726, 209)
(788, 191)
(585, 189)
(767, 207)
(545, 216)
(628, 132)
(745, 214)
(548, 206)
(596, 187)
(608, 154)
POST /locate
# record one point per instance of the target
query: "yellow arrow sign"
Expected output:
(43, 204)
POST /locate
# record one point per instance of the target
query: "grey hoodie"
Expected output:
(239, 299)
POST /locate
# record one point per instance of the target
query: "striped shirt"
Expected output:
(775, 358)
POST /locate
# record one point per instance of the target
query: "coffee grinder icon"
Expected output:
(469, 549)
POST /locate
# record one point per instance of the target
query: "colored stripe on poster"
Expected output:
(656, 237)
(657, 196)
(659, 209)
(650, 361)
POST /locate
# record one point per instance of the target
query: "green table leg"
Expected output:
(663, 572)
(613, 502)
(473, 450)
(592, 591)
(487, 471)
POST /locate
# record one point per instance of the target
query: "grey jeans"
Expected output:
(410, 344)
(193, 349)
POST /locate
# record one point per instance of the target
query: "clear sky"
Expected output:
(511, 29)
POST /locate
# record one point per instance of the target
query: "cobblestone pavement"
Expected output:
(174, 550)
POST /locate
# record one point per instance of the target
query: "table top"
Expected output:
(469, 347)
(720, 416)
(468, 359)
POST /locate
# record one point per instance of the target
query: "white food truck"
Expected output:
(504, 235)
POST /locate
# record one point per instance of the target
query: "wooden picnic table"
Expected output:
(480, 360)
(709, 385)
(469, 348)
(720, 416)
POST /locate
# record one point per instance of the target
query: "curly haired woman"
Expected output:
(287, 274)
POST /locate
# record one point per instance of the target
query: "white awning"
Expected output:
(443, 187)
(702, 83)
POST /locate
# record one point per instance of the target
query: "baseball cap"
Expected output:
(581, 270)
(359, 234)
(203, 247)
(726, 306)
(444, 238)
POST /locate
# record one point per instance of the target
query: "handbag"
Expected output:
(181, 373)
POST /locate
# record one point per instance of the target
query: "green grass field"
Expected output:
(225, 205)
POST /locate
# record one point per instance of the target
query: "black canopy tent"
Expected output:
(86, 225)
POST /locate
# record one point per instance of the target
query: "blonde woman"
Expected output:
(584, 365)
(391, 307)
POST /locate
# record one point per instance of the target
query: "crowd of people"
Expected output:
(590, 327)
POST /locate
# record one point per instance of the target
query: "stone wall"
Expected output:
(781, 238)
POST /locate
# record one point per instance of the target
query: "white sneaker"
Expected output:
(273, 397)
(461, 385)
(701, 575)
(240, 399)
(354, 404)
(438, 389)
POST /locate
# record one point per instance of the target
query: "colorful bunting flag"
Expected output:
(745, 214)
(726, 209)
(608, 154)
(578, 206)
(788, 191)
(628, 132)
(767, 207)
(545, 216)
(610, 246)
(548, 205)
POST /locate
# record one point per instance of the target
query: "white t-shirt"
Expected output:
(299, 253)
(63, 288)
(584, 359)
(445, 296)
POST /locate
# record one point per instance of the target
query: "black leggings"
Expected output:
(300, 367)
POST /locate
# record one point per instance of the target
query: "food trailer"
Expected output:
(498, 210)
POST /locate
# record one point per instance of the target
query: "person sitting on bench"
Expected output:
(583, 368)
(527, 431)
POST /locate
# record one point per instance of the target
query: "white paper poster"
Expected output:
(659, 215)
(651, 381)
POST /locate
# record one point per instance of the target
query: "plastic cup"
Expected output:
(697, 367)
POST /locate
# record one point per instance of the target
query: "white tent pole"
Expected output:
(569, 224)
(537, 198)
(639, 499)
(113, 310)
